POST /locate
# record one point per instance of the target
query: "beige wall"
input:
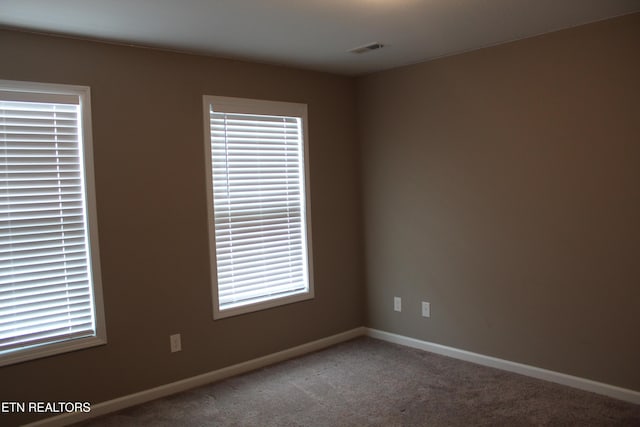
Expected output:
(150, 184)
(503, 186)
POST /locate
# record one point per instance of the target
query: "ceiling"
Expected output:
(312, 34)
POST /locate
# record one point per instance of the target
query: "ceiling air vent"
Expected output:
(367, 48)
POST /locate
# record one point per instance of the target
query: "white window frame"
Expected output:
(259, 107)
(48, 92)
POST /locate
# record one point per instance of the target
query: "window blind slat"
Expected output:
(48, 259)
(39, 255)
(273, 268)
(46, 322)
(271, 223)
(22, 228)
(277, 259)
(48, 330)
(237, 249)
(250, 219)
(239, 259)
(276, 288)
(61, 272)
(255, 289)
(14, 250)
(286, 284)
(257, 232)
(229, 248)
(66, 263)
(53, 286)
(48, 337)
(70, 303)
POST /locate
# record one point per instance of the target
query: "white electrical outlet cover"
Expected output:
(176, 344)
(426, 309)
(397, 304)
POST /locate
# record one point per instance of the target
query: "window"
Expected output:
(50, 295)
(259, 224)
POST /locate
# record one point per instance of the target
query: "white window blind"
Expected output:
(259, 208)
(46, 276)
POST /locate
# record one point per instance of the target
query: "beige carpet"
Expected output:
(366, 382)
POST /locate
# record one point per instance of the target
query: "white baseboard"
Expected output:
(506, 365)
(199, 380)
(220, 374)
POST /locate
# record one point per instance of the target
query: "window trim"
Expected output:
(264, 107)
(83, 94)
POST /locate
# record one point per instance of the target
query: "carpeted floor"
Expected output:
(367, 382)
